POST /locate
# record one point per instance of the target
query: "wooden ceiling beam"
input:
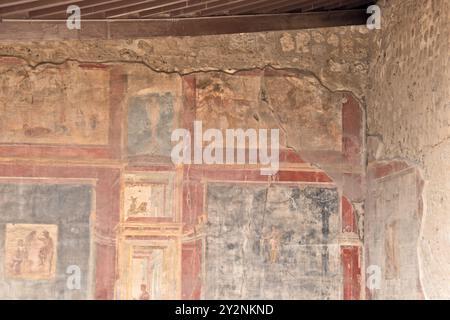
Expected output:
(11, 29)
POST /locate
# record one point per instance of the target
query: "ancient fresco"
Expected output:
(96, 188)
(30, 251)
(44, 229)
(277, 242)
(311, 113)
(148, 268)
(148, 238)
(224, 101)
(392, 230)
(149, 195)
(42, 106)
(150, 124)
(145, 200)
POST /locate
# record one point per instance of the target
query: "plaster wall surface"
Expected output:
(408, 116)
(104, 110)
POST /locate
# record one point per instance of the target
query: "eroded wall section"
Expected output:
(409, 119)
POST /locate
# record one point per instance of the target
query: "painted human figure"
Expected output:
(46, 250)
(145, 295)
(271, 244)
(19, 257)
(391, 256)
(274, 244)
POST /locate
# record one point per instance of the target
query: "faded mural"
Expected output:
(42, 106)
(86, 183)
(392, 246)
(277, 242)
(150, 124)
(44, 229)
(30, 251)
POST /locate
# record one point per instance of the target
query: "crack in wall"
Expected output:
(274, 113)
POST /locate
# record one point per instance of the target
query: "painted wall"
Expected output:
(34, 265)
(104, 111)
(277, 242)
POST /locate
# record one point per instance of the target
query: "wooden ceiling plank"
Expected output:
(14, 2)
(349, 4)
(161, 10)
(19, 8)
(188, 11)
(263, 7)
(225, 8)
(250, 7)
(304, 6)
(141, 8)
(326, 3)
(116, 5)
(323, 4)
(62, 8)
(219, 7)
(194, 10)
(194, 2)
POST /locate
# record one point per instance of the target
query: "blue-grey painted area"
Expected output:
(150, 124)
(68, 207)
(277, 242)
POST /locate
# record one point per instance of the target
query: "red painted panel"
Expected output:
(348, 216)
(350, 256)
(302, 176)
(105, 272)
(191, 270)
(192, 202)
(215, 174)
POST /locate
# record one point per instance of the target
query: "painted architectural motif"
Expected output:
(90, 184)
